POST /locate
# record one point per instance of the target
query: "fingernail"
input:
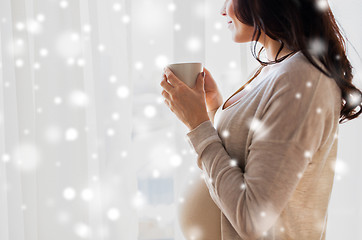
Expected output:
(203, 74)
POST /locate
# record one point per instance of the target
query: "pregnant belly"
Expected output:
(198, 215)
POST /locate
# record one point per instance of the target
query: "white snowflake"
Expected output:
(69, 193)
(193, 44)
(117, 7)
(138, 65)
(122, 91)
(112, 79)
(155, 173)
(87, 194)
(20, 26)
(68, 45)
(255, 124)
(124, 154)
(40, 17)
(232, 64)
(233, 163)
(195, 233)
(126, 19)
(307, 154)
(215, 38)
(110, 132)
(79, 98)
(113, 214)
(58, 100)
(71, 134)
(171, 7)
(150, 111)
(20, 42)
(225, 133)
(33, 27)
(63, 4)
(101, 47)
(36, 65)
(87, 28)
(218, 25)
(115, 116)
(317, 46)
(175, 160)
(80, 62)
(161, 61)
(138, 201)
(5, 157)
(340, 167)
(19, 63)
(27, 156)
(322, 5)
(177, 27)
(82, 230)
(354, 98)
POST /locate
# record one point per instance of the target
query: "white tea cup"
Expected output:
(187, 72)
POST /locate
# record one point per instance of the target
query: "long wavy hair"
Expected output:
(309, 27)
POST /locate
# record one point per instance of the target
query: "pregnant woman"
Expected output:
(268, 152)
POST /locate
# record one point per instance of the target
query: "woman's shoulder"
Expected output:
(296, 66)
(298, 71)
(300, 80)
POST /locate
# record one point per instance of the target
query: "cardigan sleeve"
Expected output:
(252, 199)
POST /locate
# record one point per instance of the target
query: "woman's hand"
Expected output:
(187, 103)
(213, 96)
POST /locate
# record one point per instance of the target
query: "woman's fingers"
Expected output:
(206, 71)
(168, 87)
(172, 78)
(165, 94)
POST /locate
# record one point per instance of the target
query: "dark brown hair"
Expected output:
(296, 24)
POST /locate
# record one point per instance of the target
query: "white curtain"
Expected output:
(88, 149)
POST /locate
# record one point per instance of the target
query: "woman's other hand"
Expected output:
(213, 96)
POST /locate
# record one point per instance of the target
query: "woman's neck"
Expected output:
(272, 47)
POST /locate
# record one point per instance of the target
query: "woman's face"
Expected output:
(241, 32)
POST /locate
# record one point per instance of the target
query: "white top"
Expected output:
(269, 158)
